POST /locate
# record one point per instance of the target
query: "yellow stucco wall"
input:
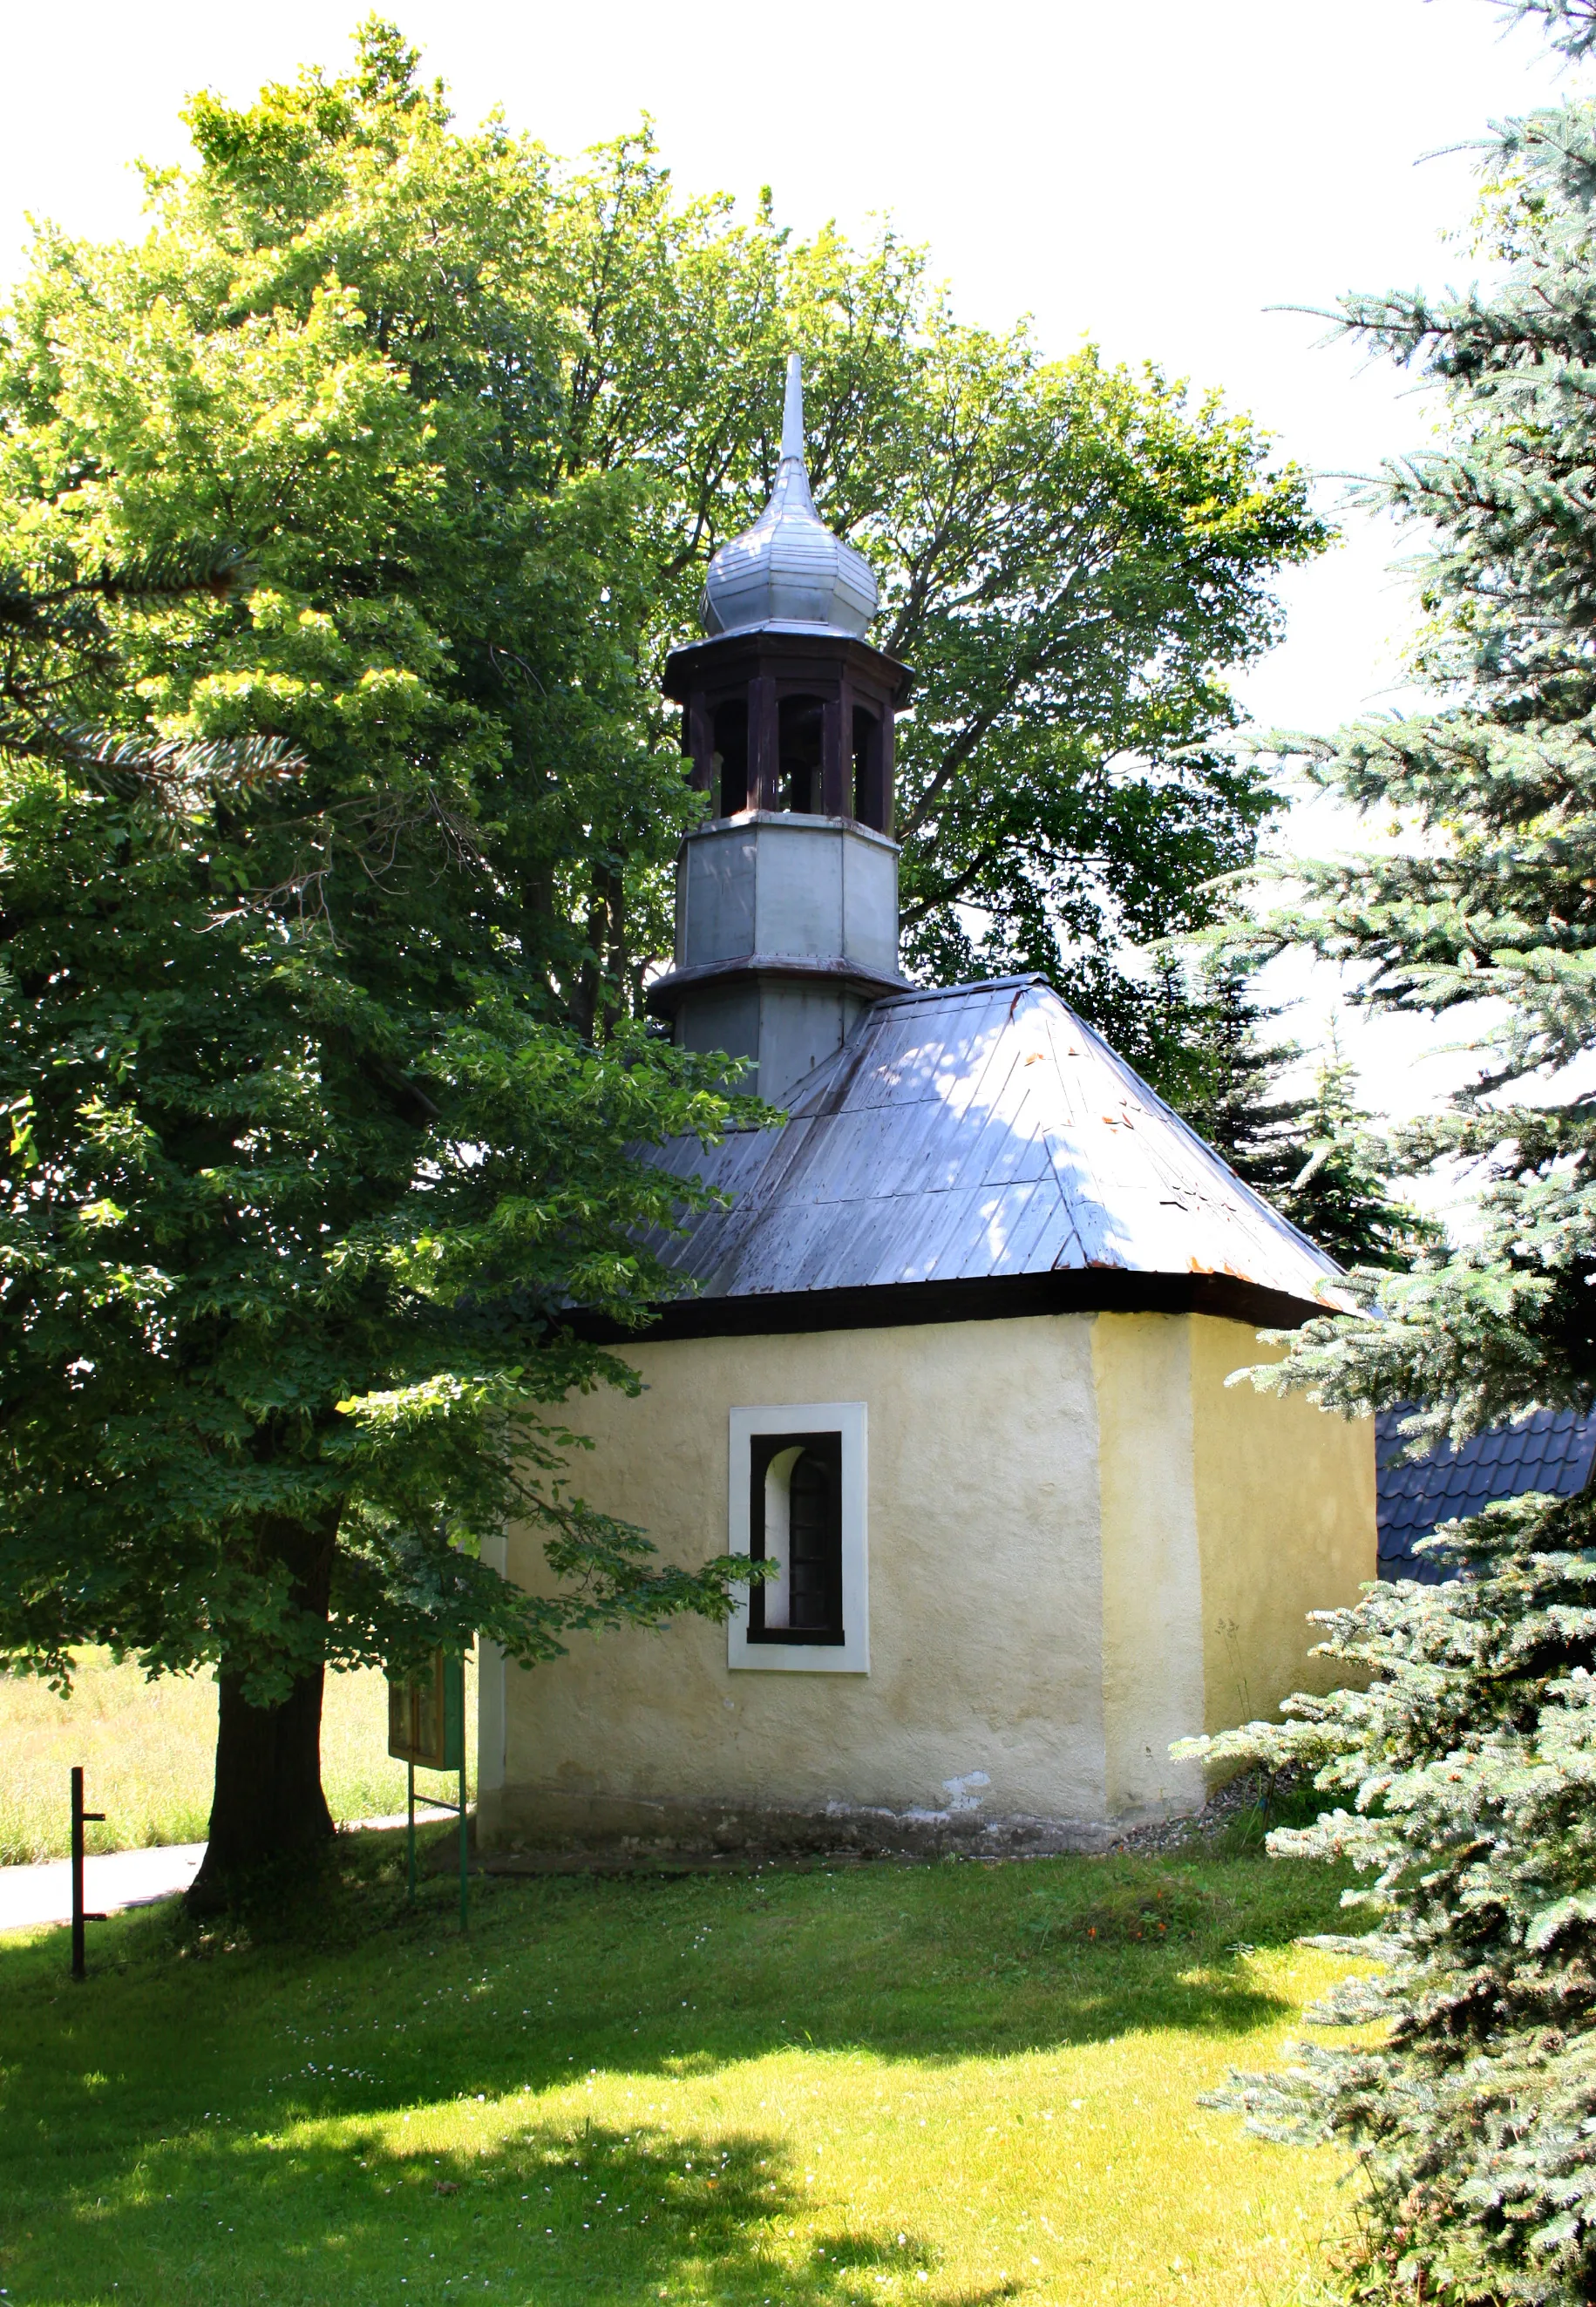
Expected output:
(1285, 1518)
(984, 1608)
(1151, 1571)
(1074, 1530)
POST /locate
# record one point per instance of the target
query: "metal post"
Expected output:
(77, 1872)
(80, 1819)
(464, 1878)
(410, 1844)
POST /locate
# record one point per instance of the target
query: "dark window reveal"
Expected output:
(799, 725)
(795, 1519)
(731, 756)
(869, 796)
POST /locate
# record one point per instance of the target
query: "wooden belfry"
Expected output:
(796, 721)
(786, 707)
(787, 895)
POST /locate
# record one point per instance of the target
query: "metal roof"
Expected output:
(788, 572)
(972, 1135)
(1549, 1450)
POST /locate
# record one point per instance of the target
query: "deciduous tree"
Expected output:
(1073, 556)
(295, 1198)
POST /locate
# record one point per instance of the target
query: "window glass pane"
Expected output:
(810, 1520)
(796, 1520)
(778, 1546)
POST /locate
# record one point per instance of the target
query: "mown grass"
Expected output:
(147, 1751)
(945, 2084)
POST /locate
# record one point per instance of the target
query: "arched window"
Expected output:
(797, 1521)
(731, 756)
(799, 725)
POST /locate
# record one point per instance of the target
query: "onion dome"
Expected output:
(788, 570)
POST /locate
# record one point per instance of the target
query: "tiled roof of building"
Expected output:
(1550, 1450)
(974, 1134)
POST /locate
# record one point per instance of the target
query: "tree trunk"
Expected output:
(267, 1810)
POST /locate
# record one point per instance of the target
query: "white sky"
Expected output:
(1156, 178)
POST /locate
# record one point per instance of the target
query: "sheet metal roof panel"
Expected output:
(844, 1163)
(942, 1058)
(1012, 1142)
(909, 1149)
(954, 1242)
(978, 1131)
(919, 1236)
(1091, 1193)
(1036, 1233)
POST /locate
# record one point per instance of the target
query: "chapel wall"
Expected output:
(1083, 1546)
(1151, 1565)
(984, 1697)
(1286, 1523)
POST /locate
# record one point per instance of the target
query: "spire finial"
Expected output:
(791, 415)
(788, 569)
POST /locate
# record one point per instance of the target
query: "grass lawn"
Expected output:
(940, 2084)
(149, 1749)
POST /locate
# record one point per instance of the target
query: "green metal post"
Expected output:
(410, 1840)
(465, 1876)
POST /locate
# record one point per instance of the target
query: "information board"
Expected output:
(426, 1715)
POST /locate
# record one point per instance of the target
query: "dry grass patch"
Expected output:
(148, 1749)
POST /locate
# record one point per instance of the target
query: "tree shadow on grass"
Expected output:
(551, 2213)
(934, 1964)
(681, 1974)
(192, 2124)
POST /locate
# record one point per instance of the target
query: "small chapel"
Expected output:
(956, 1355)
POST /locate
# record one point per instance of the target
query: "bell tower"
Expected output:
(786, 897)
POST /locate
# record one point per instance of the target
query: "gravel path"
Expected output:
(32, 1896)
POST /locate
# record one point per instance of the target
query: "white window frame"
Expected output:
(851, 1654)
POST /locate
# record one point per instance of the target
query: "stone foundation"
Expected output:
(522, 1822)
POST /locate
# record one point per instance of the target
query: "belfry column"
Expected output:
(786, 897)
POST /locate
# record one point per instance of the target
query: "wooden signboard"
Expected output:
(427, 1716)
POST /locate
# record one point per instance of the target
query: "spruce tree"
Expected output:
(1330, 1172)
(1312, 1155)
(1233, 1064)
(1461, 1755)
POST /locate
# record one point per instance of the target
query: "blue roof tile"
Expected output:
(1549, 1450)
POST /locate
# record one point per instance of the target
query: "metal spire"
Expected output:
(788, 569)
(792, 475)
(791, 415)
